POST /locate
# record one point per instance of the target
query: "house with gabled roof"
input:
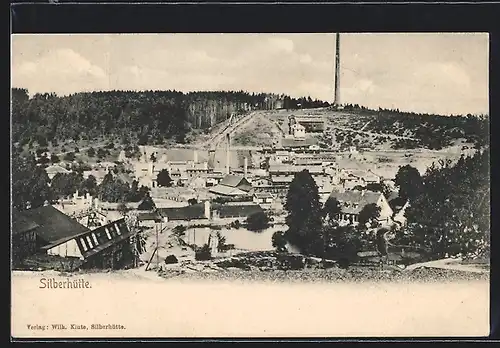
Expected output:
(232, 186)
(55, 169)
(23, 236)
(59, 235)
(353, 201)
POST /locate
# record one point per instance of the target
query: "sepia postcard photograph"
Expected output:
(250, 185)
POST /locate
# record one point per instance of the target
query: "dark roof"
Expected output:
(233, 180)
(291, 142)
(195, 211)
(104, 241)
(148, 216)
(246, 210)
(358, 197)
(20, 223)
(54, 225)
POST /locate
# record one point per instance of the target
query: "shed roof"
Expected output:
(54, 225)
(227, 190)
(195, 211)
(263, 195)
(148, 216)
(292, 142)
(226, 211)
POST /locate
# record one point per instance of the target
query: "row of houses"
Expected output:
(202, 212)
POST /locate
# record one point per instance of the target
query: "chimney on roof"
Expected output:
(207, 209)
(363, 191)
(228, 139)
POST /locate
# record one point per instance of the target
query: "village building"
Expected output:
(197, 169)
(281, 156)
(214, 179)
(352, 202)
(235, 212)
(281, 171)
(55, 169)
(98, 174)
(298, 131)
(352, 178)
(24, 241)
(58, 235)
(106, 247)
(195, 213)
(232, 186)
(54, 225)
(298, 144)
(312, 124)
(264, 199)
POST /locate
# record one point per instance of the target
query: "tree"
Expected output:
(89, 185)
(147, 203)
(304, 217)
(70, 156)
(30, 183)
(163, 179)
(332, 208)
(152, 158)
(369, 215)
(379, 187)
(221, 242)
(55, 159)
(409, 181)
(123, 208)
(257, 221)
(192, 201)
(451, 216)
(279, 241)
(112, 189)
(91, 152)
(101, 153)
(179, 230)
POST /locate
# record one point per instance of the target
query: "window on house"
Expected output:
(107, 233)
(118, 230)
(89, 241)
(95, 239)
(84, 245)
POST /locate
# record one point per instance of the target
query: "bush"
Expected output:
(203, 254)
(257, 221)
(171, 259)
(179, 230)
(235, 224)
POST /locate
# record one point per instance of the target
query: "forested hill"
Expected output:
(150, 115)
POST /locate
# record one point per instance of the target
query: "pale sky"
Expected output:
(441, 73)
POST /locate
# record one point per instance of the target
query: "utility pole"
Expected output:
(157, 246)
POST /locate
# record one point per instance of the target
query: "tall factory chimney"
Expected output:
(336, 101)
(245, 167)
(228, 154)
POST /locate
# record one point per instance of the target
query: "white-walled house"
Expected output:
(353, 201)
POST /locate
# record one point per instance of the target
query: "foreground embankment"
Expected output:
(140, 304)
